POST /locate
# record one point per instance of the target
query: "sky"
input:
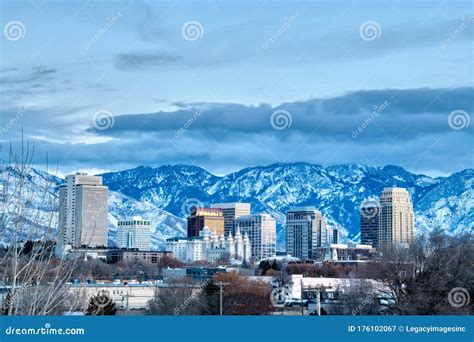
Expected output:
(110, 85)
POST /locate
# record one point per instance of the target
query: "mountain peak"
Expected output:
(336, 190)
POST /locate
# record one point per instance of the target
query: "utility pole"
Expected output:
(302, 306)
(221, 290)
(318, 302)
(318, 289)
(128, 303)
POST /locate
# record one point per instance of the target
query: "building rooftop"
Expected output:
(390, 189)
(232, 205)
(251, 216)
(134, 250)
(205, 211)
(304, 208)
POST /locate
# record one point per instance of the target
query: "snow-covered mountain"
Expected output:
(39, 216)
(163, 194)
(338, 191)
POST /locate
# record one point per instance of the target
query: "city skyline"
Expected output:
(243, 158)
(214, 232)
(136, 83)
(168, 205)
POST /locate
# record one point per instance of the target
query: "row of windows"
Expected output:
(134, 223)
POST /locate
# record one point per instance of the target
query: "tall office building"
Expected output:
(83, 204)
(231, 211)
(261, 230)
(369, 224)
(396, 220)
(333, 236)
(306, 231)
(206, 217)
(134, 233)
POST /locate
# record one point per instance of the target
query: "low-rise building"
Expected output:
(130, 296)
(335, 296)
(344, 252)
(67, 252)
(149, 257)
(204, 273)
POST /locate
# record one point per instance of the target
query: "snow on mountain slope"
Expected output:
(39, 216)
(337, 191)
(164, 224)
(158, 194)
(450, 205)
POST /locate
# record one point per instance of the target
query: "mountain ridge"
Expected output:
(336, 190)
(161, 194)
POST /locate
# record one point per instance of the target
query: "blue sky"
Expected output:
(170, 98)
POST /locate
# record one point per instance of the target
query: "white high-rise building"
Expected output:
(396, 217)
(306, 232)
(134, 232)
(83, 204)
(261, 229)
(231, 211)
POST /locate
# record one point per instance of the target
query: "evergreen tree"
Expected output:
(7, 304)
(101, 305)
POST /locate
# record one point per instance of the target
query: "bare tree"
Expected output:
(419, 279)
(181, 297)
(241, 296)
(35, 278)
(357, 297)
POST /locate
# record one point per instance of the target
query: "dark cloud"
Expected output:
(434, 155)
(401, 114)
(411, 130)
